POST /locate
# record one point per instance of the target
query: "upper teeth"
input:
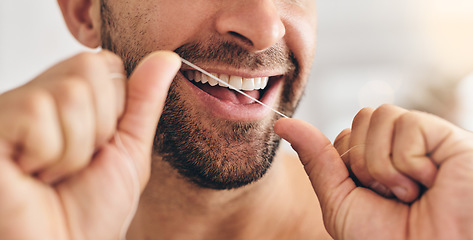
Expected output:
(237, 82)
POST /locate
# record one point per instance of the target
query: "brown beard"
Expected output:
(212, 153)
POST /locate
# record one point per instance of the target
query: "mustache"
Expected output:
(234, 55)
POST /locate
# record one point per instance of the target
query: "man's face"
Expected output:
(212, 135)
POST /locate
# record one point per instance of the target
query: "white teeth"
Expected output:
(224, 77)
(247, 84)
(197, 77)
(264, 82)
(219, 83)
(212, 81)
(205, 78)
(236, 82)
(258, 83)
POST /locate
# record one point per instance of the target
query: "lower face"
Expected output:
(212, 135)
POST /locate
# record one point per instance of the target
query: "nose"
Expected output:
(255, 23)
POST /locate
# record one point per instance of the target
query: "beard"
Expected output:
(210, 152)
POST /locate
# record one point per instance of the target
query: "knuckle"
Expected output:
(408, 120)
(362, 115)
(383, 113)
(379, 170)
(87, 60)
(342, 138)
(35, 104)
(112, 58)
(386, 107)
(72, 91)
(383, 110)
(88, 64)
(37, 115)
(402, 160)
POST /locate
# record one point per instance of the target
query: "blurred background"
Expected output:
(414, 53)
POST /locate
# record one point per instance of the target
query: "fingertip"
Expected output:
(113, 60)
(297, 132)
(342, 137)
(162, 65)
(281, 126)
(170, 59)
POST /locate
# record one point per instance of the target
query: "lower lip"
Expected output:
(237, 112)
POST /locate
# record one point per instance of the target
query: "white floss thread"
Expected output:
(132, 168)
(230, 86)
(349, 150)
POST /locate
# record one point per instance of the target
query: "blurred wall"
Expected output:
(33, 37)
(412, 53)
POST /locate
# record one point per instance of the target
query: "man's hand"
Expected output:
(62, 174)
(405, 175)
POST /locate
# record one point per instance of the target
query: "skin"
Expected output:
(72, 139)
(218, 42)
(420, 150)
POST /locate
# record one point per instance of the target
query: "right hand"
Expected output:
(395, 145)
(62, 175)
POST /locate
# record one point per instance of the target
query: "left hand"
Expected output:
(392, 152)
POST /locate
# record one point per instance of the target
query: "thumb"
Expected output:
(147, 90)
(325, 168)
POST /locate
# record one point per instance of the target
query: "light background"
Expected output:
(413, 53)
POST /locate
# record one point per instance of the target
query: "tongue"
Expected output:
(225, 94)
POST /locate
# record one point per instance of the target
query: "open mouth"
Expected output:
(255, 87)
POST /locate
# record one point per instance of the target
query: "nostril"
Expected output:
(242, 38)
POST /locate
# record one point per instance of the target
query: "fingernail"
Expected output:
(400, 192)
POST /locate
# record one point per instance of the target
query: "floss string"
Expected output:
(132, 168)
(350, 149)
(230, 86)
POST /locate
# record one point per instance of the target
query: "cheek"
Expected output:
(300, 37)
(301, 34)
(170, 24)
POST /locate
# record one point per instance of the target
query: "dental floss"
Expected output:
(230, 86)
(349, 150)
(132, 168)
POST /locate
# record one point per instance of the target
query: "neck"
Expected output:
(173, 208)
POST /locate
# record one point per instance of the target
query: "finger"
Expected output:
(73, 100)
(88, 104)
(342, 141)
(100, 70)
(322, 163)
(30, 127)
(378, 153)
(97, 69)
(444, 141)
(147, 91)
(357, 154)
(409, 149)
(342, 144)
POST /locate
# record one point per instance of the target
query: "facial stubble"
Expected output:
(212, 153)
